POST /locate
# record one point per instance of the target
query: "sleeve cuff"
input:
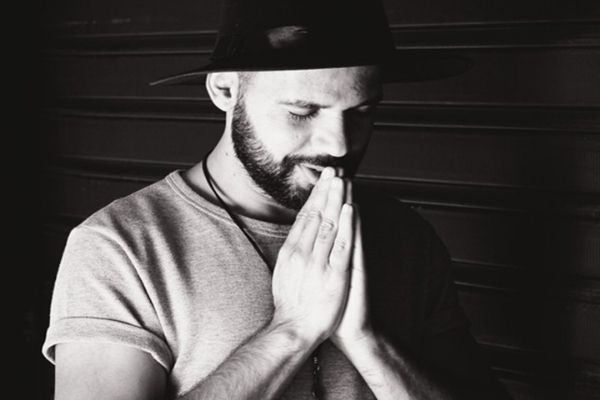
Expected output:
(85, 329)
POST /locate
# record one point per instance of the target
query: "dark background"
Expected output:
(504, 160)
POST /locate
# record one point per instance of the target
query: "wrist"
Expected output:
(297, 337)
(357, 346)
(363, 335)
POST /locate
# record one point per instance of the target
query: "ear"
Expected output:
(223, 87)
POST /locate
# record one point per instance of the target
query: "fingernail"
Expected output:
(327, 173)
(338, 183)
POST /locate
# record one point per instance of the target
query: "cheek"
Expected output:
(279, 136)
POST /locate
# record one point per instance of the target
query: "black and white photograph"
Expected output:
(307, 200)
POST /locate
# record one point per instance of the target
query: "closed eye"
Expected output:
(302, 117)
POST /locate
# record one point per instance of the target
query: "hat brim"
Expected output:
(400, 66)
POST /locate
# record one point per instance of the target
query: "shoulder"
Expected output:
(408, 267)
(132, 224)
(400, 239)
(383, 214)
(137, 211)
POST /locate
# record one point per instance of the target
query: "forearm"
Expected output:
(261, 368)
(389, 374)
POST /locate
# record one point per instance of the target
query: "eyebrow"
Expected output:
(309, 104)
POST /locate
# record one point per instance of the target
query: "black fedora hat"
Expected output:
(263, 35)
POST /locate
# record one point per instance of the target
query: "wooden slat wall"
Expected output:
(503, 160)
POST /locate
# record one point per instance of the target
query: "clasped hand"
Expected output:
(319, 280)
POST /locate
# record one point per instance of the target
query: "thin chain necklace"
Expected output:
(316, 370)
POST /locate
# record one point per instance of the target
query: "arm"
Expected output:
(451, 366)
(389, 374)
(259, 369)
(392, 374)
(86, 370)
(310, 285)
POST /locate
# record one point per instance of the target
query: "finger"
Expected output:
(348, 192)
(316, 201)
(329, 222)
(342, 246)
(318, 195)
(358, 263)
(307, 238)
(357, 255)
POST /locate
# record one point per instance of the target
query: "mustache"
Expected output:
(320, 161)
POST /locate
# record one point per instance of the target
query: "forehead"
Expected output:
(328, 85)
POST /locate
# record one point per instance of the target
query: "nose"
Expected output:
(333, 137)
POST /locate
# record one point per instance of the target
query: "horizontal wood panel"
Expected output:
(507, 34)
(439, 11)
(130, 16)
(515, 76)
(515, 159)
(543, 247)
(466, 116)
(500, 35)
(543, 377)
(488, 157)
(140, 16)
(417, 193)
(543, 76)
(533, 321)
(144, 140)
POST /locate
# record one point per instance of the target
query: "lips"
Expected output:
(311, 172)
(314, 167)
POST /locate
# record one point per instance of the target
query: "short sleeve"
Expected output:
(98, 296)
(443, 309)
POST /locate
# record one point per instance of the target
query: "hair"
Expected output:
(245, 79)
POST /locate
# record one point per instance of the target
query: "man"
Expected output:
(255, 274)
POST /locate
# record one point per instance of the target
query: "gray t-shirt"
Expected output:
(166, 271)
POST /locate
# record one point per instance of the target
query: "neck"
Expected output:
(235, 186)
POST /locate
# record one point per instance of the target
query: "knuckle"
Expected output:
(326, 228)
(296, 256)
(314, 215)
(302, 214)
(341, 244)
(314, 262)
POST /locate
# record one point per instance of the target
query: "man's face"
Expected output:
(288, 125)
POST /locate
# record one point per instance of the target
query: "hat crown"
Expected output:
(252, 15)
(263, 35)
(261, 26)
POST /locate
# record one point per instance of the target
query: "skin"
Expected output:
(318, 283)
(312, 276)
(337, 134)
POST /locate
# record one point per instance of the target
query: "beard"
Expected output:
(276, 179)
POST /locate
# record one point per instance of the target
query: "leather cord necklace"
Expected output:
(316, 371)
